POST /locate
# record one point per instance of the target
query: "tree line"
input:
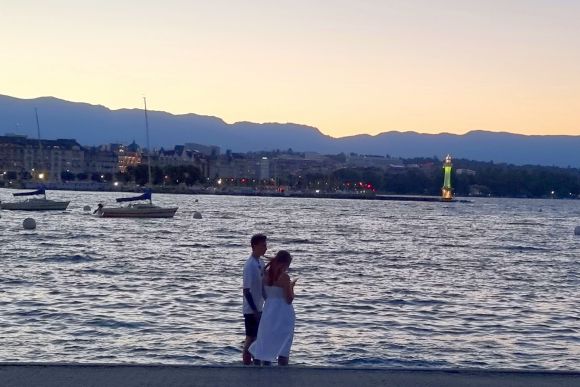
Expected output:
(426, 178)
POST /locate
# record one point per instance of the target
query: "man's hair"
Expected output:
(257, 238)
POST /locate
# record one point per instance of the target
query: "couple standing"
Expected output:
(270, 324)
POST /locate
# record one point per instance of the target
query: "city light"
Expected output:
(41, 176)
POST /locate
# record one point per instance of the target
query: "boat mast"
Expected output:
(148, 147)
(39, 145)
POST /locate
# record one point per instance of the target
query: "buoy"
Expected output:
(29, 224)
(577, 230)
(86, 208)
(197, 215)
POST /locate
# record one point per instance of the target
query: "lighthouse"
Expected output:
(446, 190)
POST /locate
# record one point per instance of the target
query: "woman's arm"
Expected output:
(288, 287)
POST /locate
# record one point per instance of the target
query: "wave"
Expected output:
(69, 258)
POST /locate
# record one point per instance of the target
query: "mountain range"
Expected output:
(96, 124)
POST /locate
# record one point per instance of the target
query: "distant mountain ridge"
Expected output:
(96, 124)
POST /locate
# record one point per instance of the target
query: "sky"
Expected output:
(344, 66)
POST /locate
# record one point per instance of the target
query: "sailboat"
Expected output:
(35, 204)
(139, 210)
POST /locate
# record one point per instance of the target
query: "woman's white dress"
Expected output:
(276, 329)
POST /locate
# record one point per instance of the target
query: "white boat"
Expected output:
(146, 210)
(35, 204)
(136, 210)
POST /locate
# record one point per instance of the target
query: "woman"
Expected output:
(276, 329)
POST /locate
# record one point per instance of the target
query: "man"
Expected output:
(253, 293)
(99, 209)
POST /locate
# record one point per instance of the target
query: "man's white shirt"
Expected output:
(253, 276)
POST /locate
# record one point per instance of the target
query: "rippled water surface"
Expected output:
(493, 283)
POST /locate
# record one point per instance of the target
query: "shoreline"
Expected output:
(297, 194)
(128, 375)
(291, 194)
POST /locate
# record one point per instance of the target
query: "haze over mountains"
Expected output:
(95, 124)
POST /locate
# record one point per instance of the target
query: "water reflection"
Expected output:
(488, 284)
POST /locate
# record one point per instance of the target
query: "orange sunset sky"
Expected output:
(345, 67)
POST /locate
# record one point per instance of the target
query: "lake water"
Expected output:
(489, 284)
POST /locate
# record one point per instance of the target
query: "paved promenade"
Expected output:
(87, 375)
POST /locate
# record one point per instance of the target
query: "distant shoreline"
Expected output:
(308, 195)
(290, 194)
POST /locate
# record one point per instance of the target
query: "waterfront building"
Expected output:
(128, 156)
(181, 155)
(236, 166)
(40, 159)
(207, 150)
(372, 161)
(101, 161)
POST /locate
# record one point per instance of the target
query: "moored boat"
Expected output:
(35, 204)
(137, 210)
(148, 210)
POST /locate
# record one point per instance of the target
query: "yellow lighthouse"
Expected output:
(447, 191)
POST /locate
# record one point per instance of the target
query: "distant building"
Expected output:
(237, 166)
(263, 168)
(208, 150)
(101, 161)
(313, 156)
(295, 165)
(182, 155)
(369, 161)
(128, 156)
(40, 159)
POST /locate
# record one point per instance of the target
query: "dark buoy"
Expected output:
(29, 224)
